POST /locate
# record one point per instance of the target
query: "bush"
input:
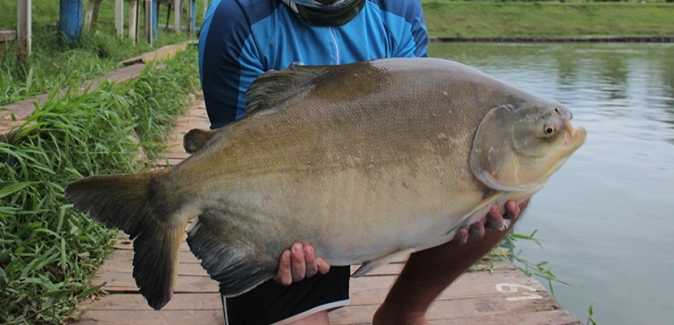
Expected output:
(49, 252)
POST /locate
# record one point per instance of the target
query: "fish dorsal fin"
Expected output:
(370, 266)
(275, 86)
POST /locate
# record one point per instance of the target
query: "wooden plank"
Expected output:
(177, 148)
(448, 309)
(124, 282)
(9, 129)
(388, 269)
(504, 274)
(184, 257)
(373, 290)
(127, 244)
(115, 77)
(7, 35)
(180, 301)
(167, 162)
(159, 54)
(123, 266)
(194, 117)
(168, 317)
(548, 317)
(18, 112)
(189, 122)
(177, 155)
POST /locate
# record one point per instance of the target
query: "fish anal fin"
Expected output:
(370, 266)
(229, 257)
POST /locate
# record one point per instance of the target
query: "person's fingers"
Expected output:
(310, 261)
(477, 229)
(512, 210)
(323, 266)
(461, 236)
(297, 265)
(283, 275)
(494, 218)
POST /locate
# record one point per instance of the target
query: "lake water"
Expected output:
(606, 219)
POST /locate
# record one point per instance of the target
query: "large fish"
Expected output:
(365, 162)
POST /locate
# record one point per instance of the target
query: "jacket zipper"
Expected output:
(334, 41)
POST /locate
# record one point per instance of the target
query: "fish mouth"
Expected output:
(574, 138)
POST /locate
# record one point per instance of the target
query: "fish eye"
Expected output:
(558, 111)
(549, 129)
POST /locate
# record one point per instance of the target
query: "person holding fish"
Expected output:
(240, 40)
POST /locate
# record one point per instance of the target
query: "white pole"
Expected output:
(119, 17)
(24, 28)
(205, 7)
(133, 21)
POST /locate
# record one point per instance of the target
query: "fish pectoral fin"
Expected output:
(370, 266)
(196, 139)
(228, 256)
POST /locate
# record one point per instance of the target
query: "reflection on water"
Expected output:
(605, 218)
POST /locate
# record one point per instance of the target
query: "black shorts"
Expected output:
(271, 302)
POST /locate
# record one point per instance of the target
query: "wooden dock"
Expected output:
(505, 296)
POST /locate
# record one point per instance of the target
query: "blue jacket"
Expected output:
(241, 39)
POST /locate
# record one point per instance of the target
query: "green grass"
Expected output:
(49, 252)
(452, 18)
(54, 65)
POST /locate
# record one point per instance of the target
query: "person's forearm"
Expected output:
(429, 272)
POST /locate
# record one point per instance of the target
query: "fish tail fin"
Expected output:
(228, 256)
(125, 202)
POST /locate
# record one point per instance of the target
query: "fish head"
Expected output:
(519, 148)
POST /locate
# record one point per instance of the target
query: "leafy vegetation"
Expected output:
(49, 252)
(506, 252)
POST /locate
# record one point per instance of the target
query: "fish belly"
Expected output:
(353, 215)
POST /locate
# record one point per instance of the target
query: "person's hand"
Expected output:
(299, 262)
(494, 220)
